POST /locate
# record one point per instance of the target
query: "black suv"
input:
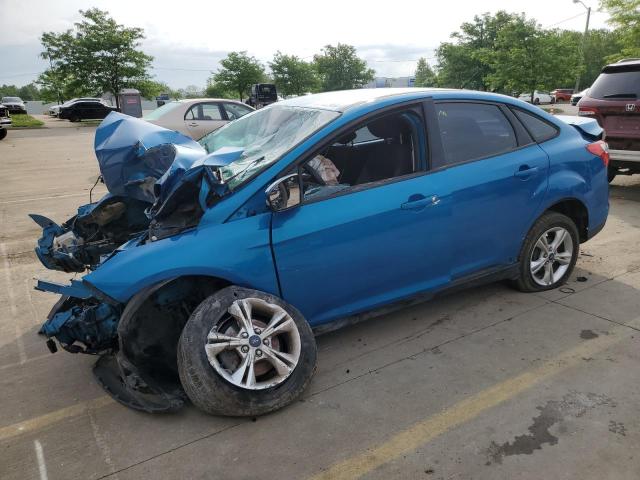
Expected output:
(262, 94)
(86, 110)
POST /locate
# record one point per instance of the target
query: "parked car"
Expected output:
(197, 117)
(614, 101)
(86, 110)
(212, 263)
(262, 94)
(5, 121)
(14, 104)
(576, 97)
(54, 110)
(561, 94)
(539, 97)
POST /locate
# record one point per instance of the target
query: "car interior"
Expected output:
(384, 148)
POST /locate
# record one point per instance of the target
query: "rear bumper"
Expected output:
(624, 156)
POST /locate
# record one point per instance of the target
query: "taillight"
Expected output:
(587, 112)
(600, 149)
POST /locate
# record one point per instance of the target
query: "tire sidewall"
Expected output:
(544, 223)
(211, 392)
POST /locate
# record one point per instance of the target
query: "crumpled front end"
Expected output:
(160, 183)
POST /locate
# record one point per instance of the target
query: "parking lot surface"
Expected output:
(488, 383)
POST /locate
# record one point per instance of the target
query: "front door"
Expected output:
(379, 237)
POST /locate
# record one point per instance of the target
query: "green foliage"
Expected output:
(216, 90)
(425, 76)
(292, 75)
(24, 120)
(625, 17)
(239, 71)
(26, 92)
(340, 68)
(601, 47)
(95, 57)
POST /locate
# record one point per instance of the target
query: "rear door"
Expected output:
(203, 118)
(498, 177)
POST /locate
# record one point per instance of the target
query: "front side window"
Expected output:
(472, 131)
(264, 136)
(385, 148)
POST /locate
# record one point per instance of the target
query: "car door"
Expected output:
(203, 118)
(498, 177)
(369, 242)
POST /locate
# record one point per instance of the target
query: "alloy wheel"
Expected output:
(255, 346)
(551, 256)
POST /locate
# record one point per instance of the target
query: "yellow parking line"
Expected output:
(38, 423)
(422, 432)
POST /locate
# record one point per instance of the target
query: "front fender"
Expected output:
(238, 252)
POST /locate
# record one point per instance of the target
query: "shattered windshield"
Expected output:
(265, 135)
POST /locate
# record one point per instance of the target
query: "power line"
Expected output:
(565, 20)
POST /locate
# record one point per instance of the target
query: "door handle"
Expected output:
(418, 202)
(524, 172)
(193, 124)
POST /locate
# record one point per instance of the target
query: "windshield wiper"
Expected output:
(621, 95)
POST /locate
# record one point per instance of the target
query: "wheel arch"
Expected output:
(577, 211)
(153, 319)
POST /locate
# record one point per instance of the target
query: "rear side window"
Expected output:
(620, 84)
(539, 129)
(473, 130)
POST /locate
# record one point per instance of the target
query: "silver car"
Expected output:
(197, 117)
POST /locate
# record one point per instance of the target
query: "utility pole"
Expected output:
(584, 42)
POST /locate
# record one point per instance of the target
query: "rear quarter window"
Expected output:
(539, 129)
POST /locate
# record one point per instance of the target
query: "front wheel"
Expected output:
(3, 133)
(536, 101)
(245, 353)
(548, 254)
(611, 173)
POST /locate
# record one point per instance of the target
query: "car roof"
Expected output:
(343, 100)
(626, 64)
(197, 100)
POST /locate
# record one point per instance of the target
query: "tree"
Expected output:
(95, 57)
(462, 63)
(216, 90)
(425, 77)
(239, 71)
(292, 75)
(340, 68)
(625, 17)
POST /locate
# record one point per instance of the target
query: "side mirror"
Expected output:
(283, 193)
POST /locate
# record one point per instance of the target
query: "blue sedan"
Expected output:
(212, 264)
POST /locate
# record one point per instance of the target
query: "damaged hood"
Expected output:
(133, 154)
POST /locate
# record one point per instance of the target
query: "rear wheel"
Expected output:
(611, 173)
(549, 253)
(244, 353)
(536, 101)
(3, 133)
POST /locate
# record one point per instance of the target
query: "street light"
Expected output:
(584, 40)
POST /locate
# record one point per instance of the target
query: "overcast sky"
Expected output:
(188, 38)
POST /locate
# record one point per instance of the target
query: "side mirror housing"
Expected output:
(283, 193)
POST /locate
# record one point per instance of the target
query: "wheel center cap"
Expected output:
(552, 257)
(254, 341)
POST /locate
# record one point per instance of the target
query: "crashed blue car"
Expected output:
(211, 265)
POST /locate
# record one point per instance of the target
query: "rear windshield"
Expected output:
(616, 85)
